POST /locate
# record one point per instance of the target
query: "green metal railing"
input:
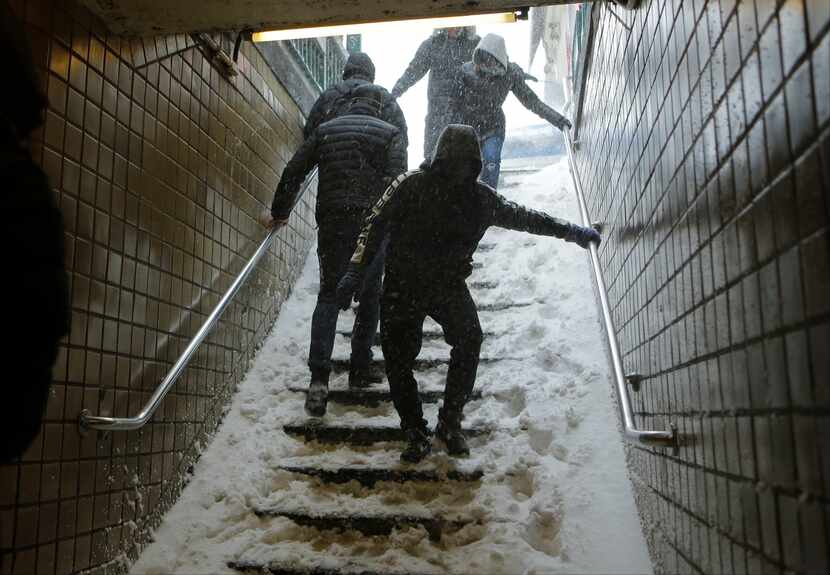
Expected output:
(323, 61)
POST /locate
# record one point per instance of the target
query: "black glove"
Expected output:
(582, 236)
(348, 286)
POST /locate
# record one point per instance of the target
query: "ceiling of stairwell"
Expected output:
(149, 17)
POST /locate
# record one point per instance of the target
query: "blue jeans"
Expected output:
(336, 241)
(491, 160)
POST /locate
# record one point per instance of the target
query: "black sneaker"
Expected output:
(418, 445)
(317, 398)
(365, 376)
(453, 439)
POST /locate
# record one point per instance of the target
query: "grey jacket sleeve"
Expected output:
(531, 101)
(394, 115)
(512, 216)
(396, 161)
(297, 168)
(416, 70)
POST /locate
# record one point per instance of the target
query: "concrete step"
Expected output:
(371, 397)
(358, 435)
(369, 525)
(275, 568)
(428, 335)
(369, 476)
(504, 306)
(341, 365)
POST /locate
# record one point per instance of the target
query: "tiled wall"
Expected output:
(705, 148)
(160, 165)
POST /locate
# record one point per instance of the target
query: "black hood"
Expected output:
(359, 65)
(457, 145)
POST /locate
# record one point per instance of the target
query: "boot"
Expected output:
(449, 432)
(364, 376)
(418, 445)
(317, 397)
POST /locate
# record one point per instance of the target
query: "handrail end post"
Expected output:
(634, 380)
(83, 422)
(675, 439)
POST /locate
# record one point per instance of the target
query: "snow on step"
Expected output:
(371, 525)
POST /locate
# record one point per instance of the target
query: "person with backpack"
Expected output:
(359, 70)
(358, 155)
(434, 217)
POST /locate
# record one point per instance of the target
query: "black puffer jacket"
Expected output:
(434, 228)
(358, 71)
(357, 154)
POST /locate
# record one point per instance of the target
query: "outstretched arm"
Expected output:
(531, 101)
(512, 216)
(288, 190)
(416, 70)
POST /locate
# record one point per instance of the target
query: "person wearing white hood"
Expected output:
(481, 89)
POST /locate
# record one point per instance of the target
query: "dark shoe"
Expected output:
(317, 398)
(450, 433)
(418, 445)
(365, 376)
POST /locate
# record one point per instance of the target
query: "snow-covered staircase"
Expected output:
(373, 524)
(543, 491)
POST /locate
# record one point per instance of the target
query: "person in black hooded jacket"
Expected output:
(359, 70)
(358, 154)
(434, 218)
(37, 290)
(441, 55)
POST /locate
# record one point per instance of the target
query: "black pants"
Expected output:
(336, 241)
(404, 307)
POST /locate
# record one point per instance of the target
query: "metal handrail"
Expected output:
(631, 433)
(104, 423)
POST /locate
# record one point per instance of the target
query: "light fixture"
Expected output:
(390, 26)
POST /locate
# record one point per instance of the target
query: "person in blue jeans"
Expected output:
(481, 87)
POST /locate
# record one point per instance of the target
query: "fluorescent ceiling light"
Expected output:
(390, 26)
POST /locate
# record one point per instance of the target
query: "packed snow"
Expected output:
(555, 496)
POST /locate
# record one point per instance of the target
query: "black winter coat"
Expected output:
(478, 100)
(335, 102)
(434, 229)
(357, 155)
(38, 291)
